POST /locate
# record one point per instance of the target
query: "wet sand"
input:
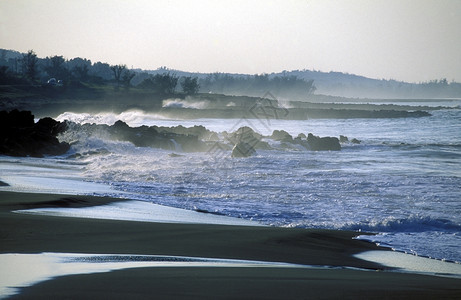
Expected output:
(24, 233)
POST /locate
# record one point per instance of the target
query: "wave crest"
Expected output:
(414, 223)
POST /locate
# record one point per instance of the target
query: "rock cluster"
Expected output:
(145, 136)
(21, 136)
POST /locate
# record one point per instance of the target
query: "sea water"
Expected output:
(403, 181)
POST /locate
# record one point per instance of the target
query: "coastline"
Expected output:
(25, 233)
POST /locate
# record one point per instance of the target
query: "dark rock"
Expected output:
(281, 135)
(16, 119)
(174, 155)
(316, 143)
(175, 138)
(20, 136)
(343, 139)
(301, 136)
(243, 149)
(355, 141)
(243, 134)
(249, 136)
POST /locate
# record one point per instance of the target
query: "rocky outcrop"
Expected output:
(21, 136)
(145, 136)
(243, 149)
(249, 136)
(142, 136)
(282, 136)
(344, 139)
(316, 143)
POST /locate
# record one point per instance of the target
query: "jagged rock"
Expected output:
(16, 119)
(198, 130)
(355, 141)
(316, 143)
(243, 149)
(249, 136)
(301, 136)
(281, 135)
(343, 139)
(20, 136)
(244, 133)
(160, 137)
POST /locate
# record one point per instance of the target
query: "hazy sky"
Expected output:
(410, 40)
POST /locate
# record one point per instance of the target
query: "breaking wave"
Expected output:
(414, 223)
(178, 103)
(131, 117)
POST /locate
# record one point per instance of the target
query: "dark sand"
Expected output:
(22, 233)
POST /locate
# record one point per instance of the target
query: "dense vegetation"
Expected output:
(27, 69)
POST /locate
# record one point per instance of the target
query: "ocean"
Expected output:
(403, 181)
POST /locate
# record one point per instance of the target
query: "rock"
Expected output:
(243, 149)
(174, 155)
(20, 136)
(16, 119)
(316, 143)
(249, 136)
(301, 136)
(281, 135)
(343, 139)
(244, 133)
(355, 141)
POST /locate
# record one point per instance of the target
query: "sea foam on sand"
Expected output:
(404, 262)
(23, 270)
(143, 212)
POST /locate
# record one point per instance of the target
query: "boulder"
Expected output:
(243, 149)
(249, 136)
(316, 143)
(343, 139)
(301, 136)
(355, 141)
(20, 136)
(281, 135)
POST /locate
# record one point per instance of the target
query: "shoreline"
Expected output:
(25, 233)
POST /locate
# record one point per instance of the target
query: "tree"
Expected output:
(55, 67)
(81, 72)
(190, 85)
(3, 73)
(165, 83)
(118, 70)
(126, 78)
(80, 68)
(101, 70)
(162, 83)
(29, 65)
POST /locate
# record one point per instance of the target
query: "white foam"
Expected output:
(35, 175)
(23, 270)
(29, 184)
(141, 211)
(411, 263)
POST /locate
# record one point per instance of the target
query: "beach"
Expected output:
(345, 277)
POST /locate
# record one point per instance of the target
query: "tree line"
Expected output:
(283, 86)
(28, 69)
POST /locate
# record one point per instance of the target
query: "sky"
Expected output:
(406, 40)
